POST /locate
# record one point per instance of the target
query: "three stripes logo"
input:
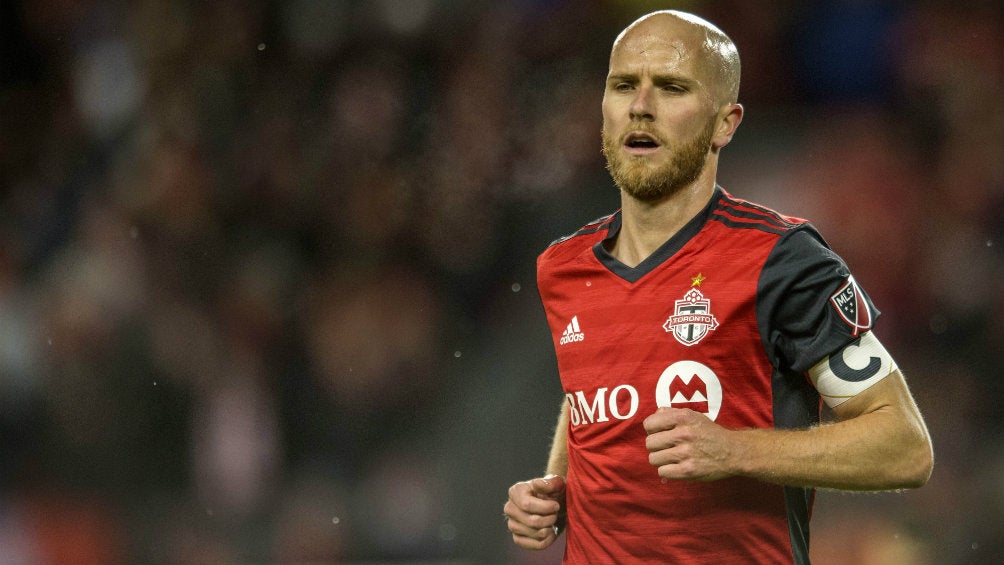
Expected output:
(572, 332)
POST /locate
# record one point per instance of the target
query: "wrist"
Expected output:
(741, 460)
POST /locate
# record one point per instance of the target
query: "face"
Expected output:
(650, 180)
(659, 114)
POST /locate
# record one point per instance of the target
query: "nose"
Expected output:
(641, 107)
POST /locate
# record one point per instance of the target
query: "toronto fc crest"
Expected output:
(692, 319)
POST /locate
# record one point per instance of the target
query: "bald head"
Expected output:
(687, 35)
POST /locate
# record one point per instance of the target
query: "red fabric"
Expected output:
(619, 509)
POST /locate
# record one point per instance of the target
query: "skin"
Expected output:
(664, 82)
(536, 506)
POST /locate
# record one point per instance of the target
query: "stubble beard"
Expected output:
(640, 180)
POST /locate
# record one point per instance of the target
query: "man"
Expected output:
(696, 335)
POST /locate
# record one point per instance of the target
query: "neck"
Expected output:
(645, 226)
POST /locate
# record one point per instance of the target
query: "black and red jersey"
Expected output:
(724, 318)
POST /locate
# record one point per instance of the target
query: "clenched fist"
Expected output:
(535, 511)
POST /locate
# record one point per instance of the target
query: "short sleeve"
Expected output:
(808, 303)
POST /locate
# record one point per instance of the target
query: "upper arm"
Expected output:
(862, 378)
(880, 391)
(900, 428)
(808, 303)
(852, 369)
(889, 393)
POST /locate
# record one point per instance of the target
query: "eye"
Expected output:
(623, 87)
(673, 88)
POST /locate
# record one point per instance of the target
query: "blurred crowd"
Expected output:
(267, 268)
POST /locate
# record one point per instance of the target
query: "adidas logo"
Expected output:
(572, 332)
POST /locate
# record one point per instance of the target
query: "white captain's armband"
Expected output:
(860, 364)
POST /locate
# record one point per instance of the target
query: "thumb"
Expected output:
(550, 484)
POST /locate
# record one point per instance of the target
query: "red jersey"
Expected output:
(724, 318)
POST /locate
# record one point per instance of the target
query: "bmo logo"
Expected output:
(684, 384)
(689, 384)
(620, 403)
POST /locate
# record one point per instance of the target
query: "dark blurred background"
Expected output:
(267, 268)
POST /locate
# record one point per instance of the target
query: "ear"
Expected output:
(726, 124)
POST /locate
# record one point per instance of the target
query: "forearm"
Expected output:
(852, 455)
(557, 460)
(885, 448)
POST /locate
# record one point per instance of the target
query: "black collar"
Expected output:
(660, 255)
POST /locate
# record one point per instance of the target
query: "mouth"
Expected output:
(641, 143)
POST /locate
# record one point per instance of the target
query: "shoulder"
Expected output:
(808, 303)
(601, 224)
(744, 214)
(583, 238)
(802, 249)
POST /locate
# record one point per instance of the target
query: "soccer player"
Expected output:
(697, 336)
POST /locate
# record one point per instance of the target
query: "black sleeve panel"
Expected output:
(799, 324)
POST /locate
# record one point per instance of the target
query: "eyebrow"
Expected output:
(623, 77)
(658, 79)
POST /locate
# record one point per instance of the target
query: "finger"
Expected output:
(664, 418)
(524, 497)
(663, 457)
(548, 486)
(530, 520)
(684, 470)
(659, 441)
(531, 526)
(530, 542)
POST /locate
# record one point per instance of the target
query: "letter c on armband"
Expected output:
(851, 369)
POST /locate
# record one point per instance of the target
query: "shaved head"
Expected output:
(717, 54)
(669, 106)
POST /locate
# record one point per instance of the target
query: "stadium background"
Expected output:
(266, 268)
